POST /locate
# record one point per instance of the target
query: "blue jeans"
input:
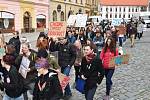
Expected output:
(120, 41)
(6, 97)
(108, 74)
(66, 71)
(90, 93)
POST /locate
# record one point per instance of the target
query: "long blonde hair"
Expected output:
(2, 41)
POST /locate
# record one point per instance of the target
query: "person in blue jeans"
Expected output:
(91, 71)
(66, 58)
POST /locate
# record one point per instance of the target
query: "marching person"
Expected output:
(91, 71)
(106, 54)
(26, 63)
(12, 83)
(66, 59)
(47, 86)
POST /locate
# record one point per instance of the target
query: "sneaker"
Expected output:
(106, 97)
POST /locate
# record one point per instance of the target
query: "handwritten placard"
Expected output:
(118, 60)
(57, 29)
(63, 79)
(81, 20)
(71, 20)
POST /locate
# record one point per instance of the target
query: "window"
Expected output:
(132, 9)
(62, 16)
(106, 9)
(119, 15)
(128, 16)
(81, 2)
(115, 15)
(41, 21)
(54, 15)
(116, 9)
(6, 21)
(124, 9)
(110, 15)
(76, 1)
(136, 10)
(120, 9)
(129, 9)
(110, 9)
(106, 15)
(124, 16)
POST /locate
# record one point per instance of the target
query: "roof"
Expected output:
(124, 2)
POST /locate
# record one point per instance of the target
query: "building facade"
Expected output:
(60, 10)
(118, 9)
(23, 15)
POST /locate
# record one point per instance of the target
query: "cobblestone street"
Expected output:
(132, 81)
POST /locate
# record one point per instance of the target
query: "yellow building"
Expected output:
(23, 15)
(61, 9)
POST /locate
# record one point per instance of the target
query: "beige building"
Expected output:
(61, 9)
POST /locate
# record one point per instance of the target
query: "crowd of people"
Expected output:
(28, 74)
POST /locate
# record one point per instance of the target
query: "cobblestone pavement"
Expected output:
(130, 82)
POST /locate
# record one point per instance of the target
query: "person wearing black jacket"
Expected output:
(66, 58)
(91, 71)
(15, 41)
(12, 83)
(47, 86)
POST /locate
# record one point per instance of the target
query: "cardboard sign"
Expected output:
(71, 20)
(64, 80)
(57, 29)
(81, 20)
(121, 59)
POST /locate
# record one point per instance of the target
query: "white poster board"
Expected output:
(116, 22)
(81, 20)
(71, 20)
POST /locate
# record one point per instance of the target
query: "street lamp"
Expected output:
(65, 9)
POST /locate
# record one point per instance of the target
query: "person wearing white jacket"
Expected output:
(140, 30)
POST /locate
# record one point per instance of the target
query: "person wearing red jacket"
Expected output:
(106, 54)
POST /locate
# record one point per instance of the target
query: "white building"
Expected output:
(118, 9)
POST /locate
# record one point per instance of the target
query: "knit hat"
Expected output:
(42, 53)
(42, 63)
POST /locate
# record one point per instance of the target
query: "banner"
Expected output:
(71, 20)
(57, 29)
(121, 59)
(81, 20)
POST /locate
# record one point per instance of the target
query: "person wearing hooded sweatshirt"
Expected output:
(91, 71)
(47, 86)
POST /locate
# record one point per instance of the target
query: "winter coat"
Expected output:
(52, 89)
(66, 53)
(12, 83)
(16, 43)
(99, 42)
(93, 71)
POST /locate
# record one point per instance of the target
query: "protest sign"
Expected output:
(57, 29)
(81, 20)
(71, 20)
(118, 60)
(116, 22)
(63, 79)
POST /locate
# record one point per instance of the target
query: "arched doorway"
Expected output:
(27, 21)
